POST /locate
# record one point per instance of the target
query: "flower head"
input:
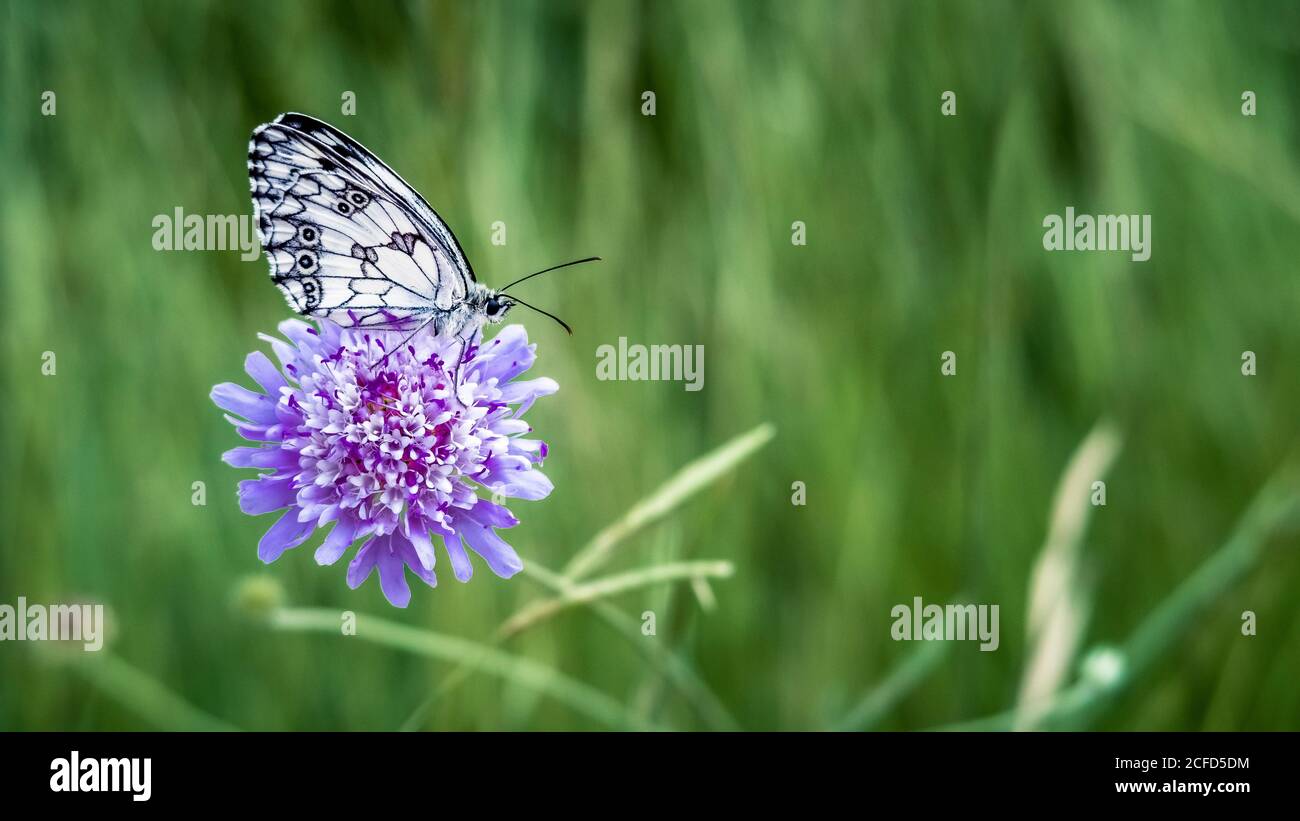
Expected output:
(390, 446)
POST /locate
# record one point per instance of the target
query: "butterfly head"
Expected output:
(496, 306)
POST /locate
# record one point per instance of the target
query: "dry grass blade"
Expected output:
(1058, 599)
(688, 481)
(1273, 507)
(576, 594)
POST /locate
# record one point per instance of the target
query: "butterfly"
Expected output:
(350, 241)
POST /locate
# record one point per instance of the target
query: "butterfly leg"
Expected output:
(398, 347)
(460, 358)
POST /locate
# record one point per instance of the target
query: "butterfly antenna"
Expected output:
(546, 270)
(563, 324)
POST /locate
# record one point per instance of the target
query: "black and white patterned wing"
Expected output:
(341, 243)
(366, 164)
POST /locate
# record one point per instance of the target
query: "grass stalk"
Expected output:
(580, 697)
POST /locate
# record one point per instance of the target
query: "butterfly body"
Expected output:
(348, 240)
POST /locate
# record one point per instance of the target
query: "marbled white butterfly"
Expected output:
(348, 240)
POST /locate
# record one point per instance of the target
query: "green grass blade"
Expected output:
(684, 484)
(582, 698)
(879, 701)
(143, 694)
(576, 594)
(1272, 506)
(670, 664)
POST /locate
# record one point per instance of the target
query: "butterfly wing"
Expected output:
(346, 238)
(365, 163)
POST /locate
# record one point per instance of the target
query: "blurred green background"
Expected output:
(923, 235)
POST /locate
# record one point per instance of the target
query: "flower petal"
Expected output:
(337, 543)
(363, 563)
(331, 333)
(508, 426)
(490, 514)
(529, 483)
(258, 366)
(392, 574)
(534, 449)
(284, 352)
(286, 533)
(255, 433)
(301, 334)
(406, 551)
(254, 407)
(265, 493)
(420, 542)
(260, 458)
(503, 357)
(528, 391)
(500, 557)
(460, 566)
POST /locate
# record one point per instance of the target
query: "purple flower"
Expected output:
(390, 451)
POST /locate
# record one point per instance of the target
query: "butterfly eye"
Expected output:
(306, 261)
